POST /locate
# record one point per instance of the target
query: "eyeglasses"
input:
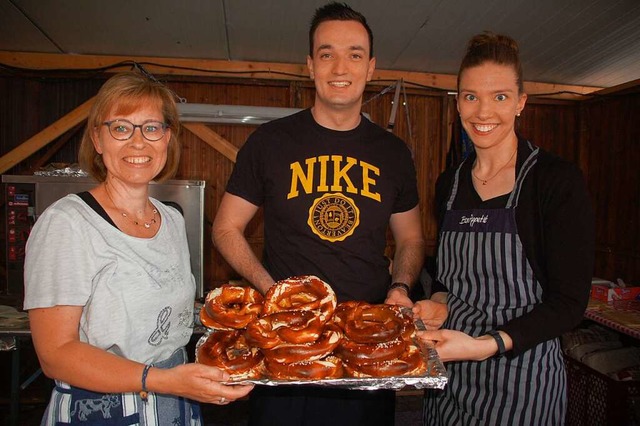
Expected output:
(122, 130)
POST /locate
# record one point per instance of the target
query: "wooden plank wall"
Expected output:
(425, 122)
(611, 133)
(423, 111)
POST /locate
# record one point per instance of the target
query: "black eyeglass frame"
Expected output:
(164, 127)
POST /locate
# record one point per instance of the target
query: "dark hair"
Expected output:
(490, 47)
(335, 11)
(126, 92)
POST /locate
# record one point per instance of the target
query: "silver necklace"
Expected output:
(484, 181)
(146, 224)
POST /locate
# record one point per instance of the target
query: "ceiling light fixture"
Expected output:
(231, 114)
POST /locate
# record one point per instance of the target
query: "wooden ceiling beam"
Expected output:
(240, 69)
(213, 139)
(44, 137)
(55, 147)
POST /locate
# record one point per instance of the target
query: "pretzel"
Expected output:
(284, 327)
(343, 310)
(289, 352)
(408, 328)
(330, 367)
(306, 293)
(231, 307)
(229, 351)
(370, 353)
(410, 363)
(372, 323)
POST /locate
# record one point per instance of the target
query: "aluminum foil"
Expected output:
(435, 376)
(61, 169)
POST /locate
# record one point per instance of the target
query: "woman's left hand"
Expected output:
(433, 314)
(200, 382)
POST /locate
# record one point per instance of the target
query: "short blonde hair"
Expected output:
(128, 91)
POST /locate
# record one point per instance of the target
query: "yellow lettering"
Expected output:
(340, 173)
(322, 186)
(339, 182)
(297, 174)
(367, 181)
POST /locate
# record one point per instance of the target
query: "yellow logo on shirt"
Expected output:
(315, 176)
(333, 217)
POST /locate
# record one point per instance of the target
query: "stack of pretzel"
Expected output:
(228, 310)
(378, 341)
(297, 333)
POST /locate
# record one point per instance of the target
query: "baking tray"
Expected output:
(434, 377)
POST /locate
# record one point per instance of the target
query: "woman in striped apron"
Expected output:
(515, 258)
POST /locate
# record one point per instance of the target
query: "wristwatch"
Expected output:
(498, 338)
(398, 284)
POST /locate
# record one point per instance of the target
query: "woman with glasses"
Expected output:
(108, 282)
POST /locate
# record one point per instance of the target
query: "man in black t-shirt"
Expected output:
(331, 183)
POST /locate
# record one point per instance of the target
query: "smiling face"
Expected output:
(341, 66)
(488, 102)
(135, 161)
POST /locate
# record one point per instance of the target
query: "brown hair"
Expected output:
(335, 11)
(126, 92)
(490, 47)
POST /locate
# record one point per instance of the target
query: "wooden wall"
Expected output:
(424, 112)
(610, 131)
(577, 131)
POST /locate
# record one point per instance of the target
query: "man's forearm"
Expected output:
(408, 261)
(237, 252)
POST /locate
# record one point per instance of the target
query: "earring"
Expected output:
(518, 115)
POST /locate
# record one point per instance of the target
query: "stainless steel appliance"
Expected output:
(26, 197)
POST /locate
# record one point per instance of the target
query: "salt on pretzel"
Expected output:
(306, 293)
(229, 351)
(289, 353)
(408, 328)
(409, 363)
(330, 367)
(231, 307)
(372, 323)
(370, 353)
(284, 327)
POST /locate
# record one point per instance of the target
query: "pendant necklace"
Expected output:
(484, 181)
(146, 224)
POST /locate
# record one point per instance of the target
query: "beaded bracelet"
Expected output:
(144, 393)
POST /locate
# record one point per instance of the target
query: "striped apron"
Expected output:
(490, 281)
(71, 405)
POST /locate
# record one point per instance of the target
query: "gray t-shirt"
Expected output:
(137, 294)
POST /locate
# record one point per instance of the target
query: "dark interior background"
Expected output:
(599, 132)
